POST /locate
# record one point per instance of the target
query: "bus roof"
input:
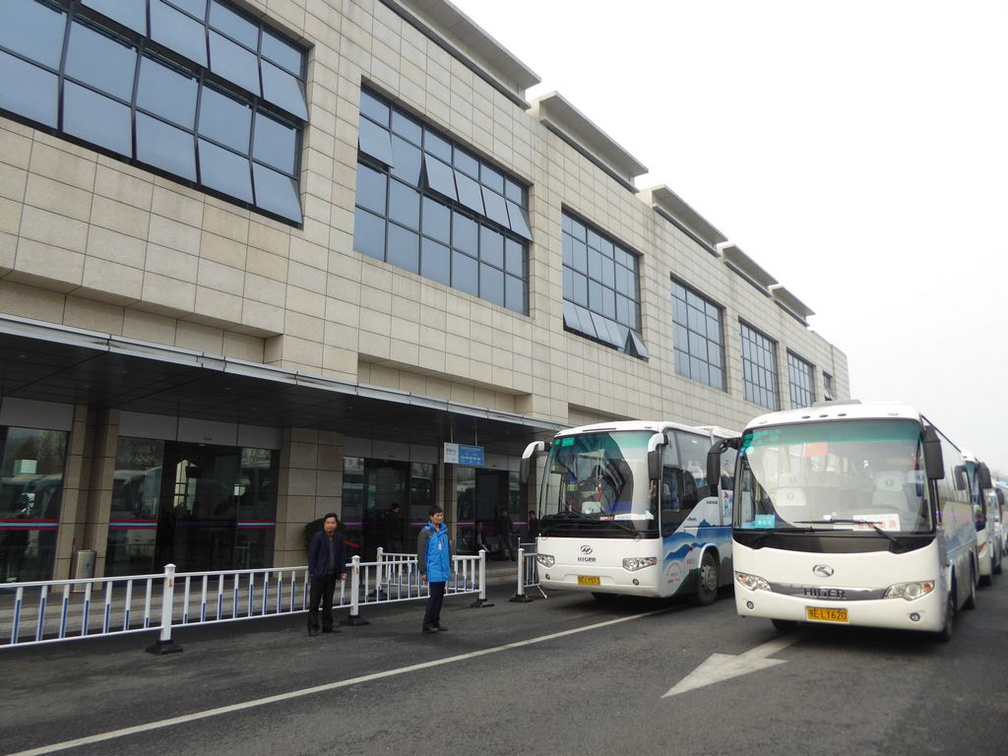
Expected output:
(853, 410)
(656, 426)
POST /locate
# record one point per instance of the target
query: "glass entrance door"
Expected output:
(385, 483)
(198, 513)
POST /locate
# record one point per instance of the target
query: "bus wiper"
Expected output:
(831, 520)
(568, 514)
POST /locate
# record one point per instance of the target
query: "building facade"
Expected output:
(265, 259)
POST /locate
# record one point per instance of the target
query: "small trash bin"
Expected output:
(84, 567)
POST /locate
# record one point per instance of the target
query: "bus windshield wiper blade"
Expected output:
(844, 521)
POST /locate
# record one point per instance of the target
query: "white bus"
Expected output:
(852, 514)
(625, 508)
(988, 543)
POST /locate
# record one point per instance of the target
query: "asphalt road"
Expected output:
(564, 675)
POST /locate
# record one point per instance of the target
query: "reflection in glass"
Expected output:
(369, 234)
(235, 26)
(234, 63)
(168, 92)
(178, 32)
(136, 491)
(282, 89)
(97, 119)
(276, 193)
(35, 31)
(435, 261)
(225, 119)
(403, 248)
(225, 171)
(465, 273)
(28, 90)
(104, 63)
(165, 147)
(275, 143)
(281, 52)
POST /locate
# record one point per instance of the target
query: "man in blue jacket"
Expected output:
(435, 563)
(326, 560)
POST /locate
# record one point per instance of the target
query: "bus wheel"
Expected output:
(784, 626)
(971, 599)
(707, 580)
(945, 634)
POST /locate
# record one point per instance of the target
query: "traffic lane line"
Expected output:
(232, 708)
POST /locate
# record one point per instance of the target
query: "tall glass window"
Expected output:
(30, 495)
(698, 337)
(601, 288)
(430, 206)
(800, 381)
(223, 106)
(133, 520)
(759, 368)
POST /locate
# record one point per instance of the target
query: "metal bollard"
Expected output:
(481, 600)
(354, 619)
(164, 644)
(520, 597)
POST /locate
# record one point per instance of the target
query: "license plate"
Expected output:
(589, 580)
(822, 614)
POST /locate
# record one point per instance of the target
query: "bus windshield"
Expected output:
(861, 475)
(598, 483)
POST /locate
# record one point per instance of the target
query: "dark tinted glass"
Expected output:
(165, 147)
(235, 26)
(465, 273)
(404, 204)
(167, 92)
(375, 140)
(514, 294)
(369, 234)
(514, 258)
(283, 90)
(371, 188)
(407, 128)
(492, 178)
(178, 32)
(101, 61)
(276, 193)
(492, 284)
(436, 220)
(28, 90)
(132, 15)
(225, 171)
(234, 63)
(403, 249)
(97, 119)
(281, 52)
(275, 143)
(435, 261)
(374, 108)
(466, 163)
(225, 119)
(514, 191)
(33, 30)
(437, 146)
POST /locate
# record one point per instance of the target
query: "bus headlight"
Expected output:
(752, 582)
(910, 591)
(632, 564)
(545, 560)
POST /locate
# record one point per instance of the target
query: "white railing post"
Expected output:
(164, 644)
(520, 596)
(380, 558)
(354, 618)
(481, 598)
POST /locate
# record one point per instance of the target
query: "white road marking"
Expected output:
(720, 667)
(207, 713)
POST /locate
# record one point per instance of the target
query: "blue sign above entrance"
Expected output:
(460, 454)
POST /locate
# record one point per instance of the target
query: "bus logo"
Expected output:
(586, 549)
(822, 570)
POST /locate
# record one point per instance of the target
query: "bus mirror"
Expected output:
(654, 456)
(933, 461)
(985, 476)
(714, 459)
(532, 451)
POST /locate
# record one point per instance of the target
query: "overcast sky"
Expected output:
(857, 151)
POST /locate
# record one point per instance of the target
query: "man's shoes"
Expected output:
(428, 629)
(441, 628)
(312, 631)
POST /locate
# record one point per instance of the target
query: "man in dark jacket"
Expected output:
(394, 534)
(435, 564)
(326, 560)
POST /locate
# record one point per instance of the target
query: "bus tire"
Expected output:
(970, 602)
(945, 634)
(707, 580)
(784, 626)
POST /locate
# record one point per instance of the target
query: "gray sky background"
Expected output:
(857, 151)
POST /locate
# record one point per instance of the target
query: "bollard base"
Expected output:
(354, 621)
(480, 604)
(521, 598)
(163, 647)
